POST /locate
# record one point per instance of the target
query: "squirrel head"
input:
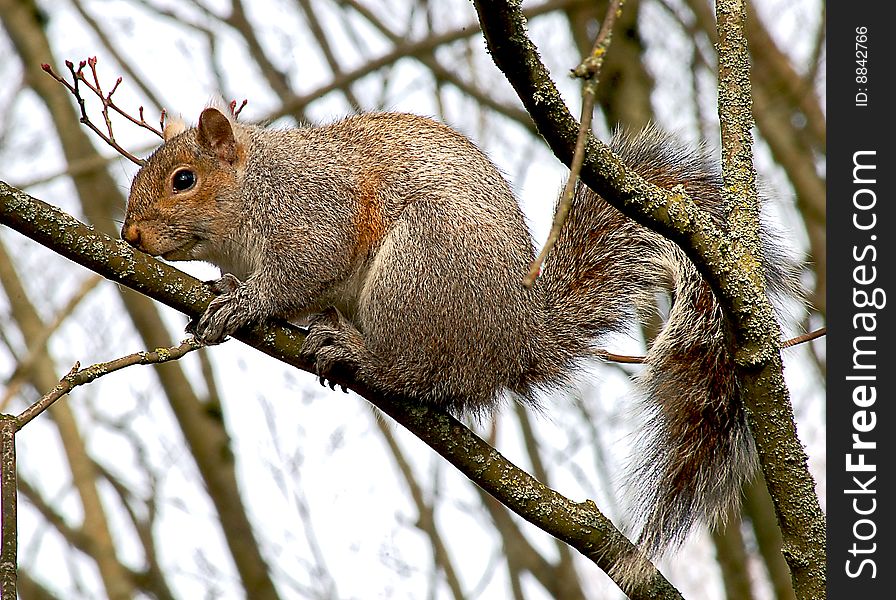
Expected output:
(181, 202)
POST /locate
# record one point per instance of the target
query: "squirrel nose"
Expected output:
(131, 234)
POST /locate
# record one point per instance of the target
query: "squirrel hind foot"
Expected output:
(335, 347)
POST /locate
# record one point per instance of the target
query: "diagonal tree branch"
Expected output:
(580, 525)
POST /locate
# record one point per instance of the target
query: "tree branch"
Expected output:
(581, 525)
(8, 508)
(735, 122)
(78, 376)
(727, 265)
(589, 71)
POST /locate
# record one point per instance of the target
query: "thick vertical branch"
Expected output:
(782, 100)
(792, 490)
(727, 265)
(736, 120)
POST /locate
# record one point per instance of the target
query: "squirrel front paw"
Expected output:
(224, 314)
(219, 320)
(335, 346)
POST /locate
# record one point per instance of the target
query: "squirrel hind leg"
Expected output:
(336, 348)
(463, 312)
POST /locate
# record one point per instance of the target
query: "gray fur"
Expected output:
(404, 248)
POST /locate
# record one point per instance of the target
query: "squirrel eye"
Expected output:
(183, 179)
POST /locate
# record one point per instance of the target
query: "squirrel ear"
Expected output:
(216, 134)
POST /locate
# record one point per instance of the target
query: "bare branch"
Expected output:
(78, 376)
(589, 72)
(806, 337)
(9, 425)
(78, 78)
(621, 358)
(580, 524)
(8, 507)
(236, 110)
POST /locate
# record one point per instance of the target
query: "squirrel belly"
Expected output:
(405, 248)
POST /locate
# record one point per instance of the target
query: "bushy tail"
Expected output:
(695, 449)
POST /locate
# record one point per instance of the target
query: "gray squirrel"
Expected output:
(404, 249)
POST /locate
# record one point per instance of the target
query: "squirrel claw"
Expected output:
(334, 345)
(220, 319)
(191, 327)
(223, 316)
(325, 382)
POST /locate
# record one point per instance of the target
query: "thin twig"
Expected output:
(78, 376)
(618, 358)
(589, 71)
(107, 99)
(636, 360)
(236, 110)
(806, 337)
(78, 78)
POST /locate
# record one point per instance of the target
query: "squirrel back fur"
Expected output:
(404, 249)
